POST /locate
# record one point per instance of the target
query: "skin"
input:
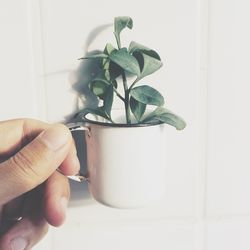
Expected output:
(30, 186)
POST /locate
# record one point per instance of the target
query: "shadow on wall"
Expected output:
(86, 71)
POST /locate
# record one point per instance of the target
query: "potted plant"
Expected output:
(126, 149)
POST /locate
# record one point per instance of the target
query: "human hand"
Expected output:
(30, 186)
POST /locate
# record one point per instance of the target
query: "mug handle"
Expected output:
(75, 127)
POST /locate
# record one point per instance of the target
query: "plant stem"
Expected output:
(132, 85)
(118, 94)
(126, 101)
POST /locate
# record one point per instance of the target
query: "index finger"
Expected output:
(14, 134)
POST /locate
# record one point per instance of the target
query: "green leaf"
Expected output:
(137, 108)
(108, 100)
(106, 61)
(100, 111)
(105, 74)
(166, 116)
(148, 59)
(111, 70)
(99, 87)
(114, 82)
(134, 46)
(105, 64)
(121, 23)
(108, 49)
(96, 56)
(147, 95)
(114, 70)
(126, 61)
(172, 120)
(150, 65)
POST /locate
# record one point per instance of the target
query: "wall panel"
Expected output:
(228, 108)
(17, 88)
(204, 45)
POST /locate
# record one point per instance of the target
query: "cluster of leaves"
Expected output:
(137, 61)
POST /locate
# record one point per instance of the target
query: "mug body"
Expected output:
(126, 165)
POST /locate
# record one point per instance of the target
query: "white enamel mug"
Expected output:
(126, 164)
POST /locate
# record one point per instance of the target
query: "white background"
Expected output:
(204, 45)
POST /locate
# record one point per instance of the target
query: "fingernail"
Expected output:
(55, 137)
(19, 244)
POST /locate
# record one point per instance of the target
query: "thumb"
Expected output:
(34, 163)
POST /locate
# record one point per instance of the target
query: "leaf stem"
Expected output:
(118, 41)
(126, 101)
(132, 85)
(118, 94)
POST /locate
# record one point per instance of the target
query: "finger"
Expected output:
(56, 197)
(13, 209)
(1, 211)
(31, 229)
(34, 163)
(71, 165)
(24, 234)
(14, 134)
(10, 214)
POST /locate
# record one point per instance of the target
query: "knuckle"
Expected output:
(24, 164)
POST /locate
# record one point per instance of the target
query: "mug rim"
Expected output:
(122, 125)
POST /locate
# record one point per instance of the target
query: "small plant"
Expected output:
(118, 66)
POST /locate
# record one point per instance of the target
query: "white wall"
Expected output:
(205, 48)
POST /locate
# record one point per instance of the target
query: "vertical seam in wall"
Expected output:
(38, 65)
(206, 59)
(202, 23)
(33, 86)
(207, 49)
